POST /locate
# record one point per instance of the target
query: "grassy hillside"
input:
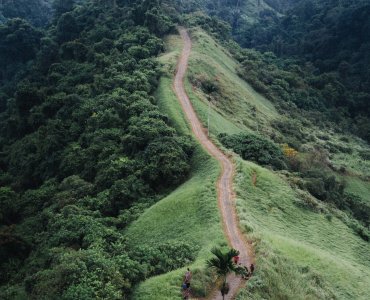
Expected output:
(302, 252)
(272, 212)
(191, 212)
(235, 101)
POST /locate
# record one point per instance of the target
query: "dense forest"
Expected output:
(312, 54)
(36, 12)
(324, 47)
(84, 150)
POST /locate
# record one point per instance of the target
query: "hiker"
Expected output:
(252, 269)
(184, 286)
(245, 275)
(187, 274)
(236, 259)
(188, 285)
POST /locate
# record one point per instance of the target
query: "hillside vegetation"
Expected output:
(302, 243)
(84, 151)
(307, 238)
(105, 193)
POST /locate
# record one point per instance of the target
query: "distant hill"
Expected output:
(36, 12)
(328, 39)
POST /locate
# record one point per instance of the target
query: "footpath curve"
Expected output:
(224, 183)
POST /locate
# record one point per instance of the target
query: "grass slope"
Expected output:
(305, 237)
(191, 212)
(302, 254)
(239, 104)
(358, 187)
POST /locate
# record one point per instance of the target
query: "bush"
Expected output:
(316, 187)
(278, 164)
(255, 147)
(365, 154)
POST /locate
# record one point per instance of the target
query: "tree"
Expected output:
(62, 6)
(9, 204)
(67, 29)
(224, 265)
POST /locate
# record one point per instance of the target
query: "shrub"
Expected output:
(278, 164)
(255, 147)
(365, 154)
(316, 187)
(293, 142)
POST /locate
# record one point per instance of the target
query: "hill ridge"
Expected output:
(224, 183)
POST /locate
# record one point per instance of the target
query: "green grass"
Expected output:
(301, 254)
(239, 104)
(218, 123)
(189, 214)
(307, 238)
(358, 187)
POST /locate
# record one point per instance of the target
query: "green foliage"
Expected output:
(252, 146)
(12, 248)
(163, 258)
(224, 265)
(308, 47)
(85, 150)
(82, 248)
(62, 6)
(19, 43)
(36, 12)
(84, 274)
(66, 28)
(223, 262)
(213, 26)
(365, 154)
(359, 207)
(289, 255)
(9, 205)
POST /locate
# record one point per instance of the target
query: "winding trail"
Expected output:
(224, 183)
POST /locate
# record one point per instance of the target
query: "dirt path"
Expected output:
(254, 180)
(224, 184)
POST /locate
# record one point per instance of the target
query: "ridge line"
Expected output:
(224, 183)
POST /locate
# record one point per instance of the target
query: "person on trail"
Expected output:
(188, 285)
(245, 274)
(184, 286)
(252, 269)
(187, 274)
(236, 259)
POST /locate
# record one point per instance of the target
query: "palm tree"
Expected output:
(224, 265)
